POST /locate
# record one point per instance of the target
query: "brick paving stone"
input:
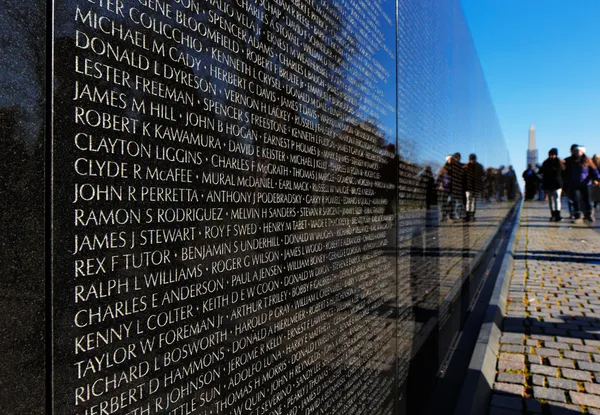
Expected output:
(557, 345)
(576, 374)
(543, 370)
(542, 337)
(510, 365)
(588, 366)
(592, 388)
(589, 349)
(513, 357)
(577, 355)
(505, 377)
(568, 340)
(562, 362)
(562, 384)
(550, 394)
(543, 351)
(586, 399)
(512, 348)
(534, 359)
(512, 338)
(538, 380)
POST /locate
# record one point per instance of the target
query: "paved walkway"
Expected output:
(549, 360)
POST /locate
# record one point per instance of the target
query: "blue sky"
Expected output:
(541, 59)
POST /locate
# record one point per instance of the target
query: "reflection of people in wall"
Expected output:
(444, 181)
(458, 187)
(427, 182)
(511, 183)
(474, 175)
(499, 179)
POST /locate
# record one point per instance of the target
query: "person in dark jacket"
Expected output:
(445, 185)
(511, 183)
(551, 171)
(565, 190)
(474, 175)
(531, 182)
(499, 183)
(458, 184)
(580, 172)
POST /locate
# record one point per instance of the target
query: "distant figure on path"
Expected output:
(511, 183)
(531, 182)
(580, 172)
(552, 170)
(474, 175)
(541, 194)
(566, 183)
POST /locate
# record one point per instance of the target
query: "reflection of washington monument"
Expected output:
(532, 153)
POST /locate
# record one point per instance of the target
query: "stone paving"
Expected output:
(549, 361)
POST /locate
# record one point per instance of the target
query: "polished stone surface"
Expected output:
(252, 206)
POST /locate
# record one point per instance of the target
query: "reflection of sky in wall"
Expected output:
(444, 104)
(388, 86)
(366, 105)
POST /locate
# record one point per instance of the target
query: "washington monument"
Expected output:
(532, 153)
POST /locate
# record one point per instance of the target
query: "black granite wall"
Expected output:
(239, 206)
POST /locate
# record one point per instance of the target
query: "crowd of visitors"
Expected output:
(458, 186)
(576, 177)
(461, 185)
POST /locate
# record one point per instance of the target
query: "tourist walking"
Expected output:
(511, 183)
(580, 173)
(531, 182)
(551, 171)
(474, 175)
(566, 183)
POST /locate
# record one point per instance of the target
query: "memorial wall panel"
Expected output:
(252, 206)
(222, 192)
(450, 150)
